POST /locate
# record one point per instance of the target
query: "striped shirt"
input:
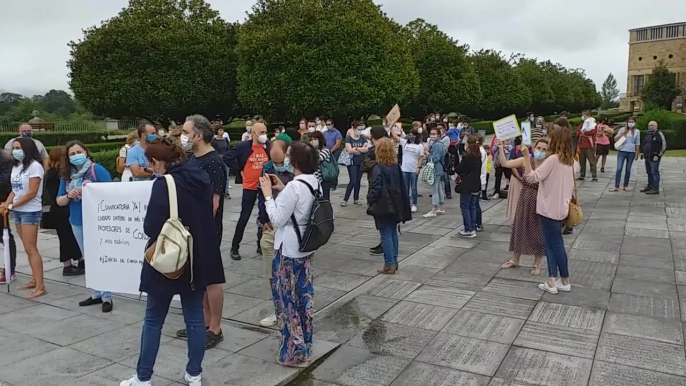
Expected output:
(324, 156)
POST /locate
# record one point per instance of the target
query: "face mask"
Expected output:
(18, 154)
(329, 127)
(262, 138)
(539, 155)
(318, 122)
(445, 120)
(583, 118)
(411, 138)
(545, 132)
(78, 160)
(150, 137)
(315, 144)
(631, 125)
(310, 129)
(26, 134)
(651, 129)
(433, 136)
(358, 132)
(433, 119)
(282, 169)
(184, 139)
(248, 128)
(419, 130)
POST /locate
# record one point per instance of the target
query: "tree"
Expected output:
(159, 59)
(448, 88)
(537, 84)
(310, 57)
(609, 92)
(57, 102)
(502, 87)
(661, 88)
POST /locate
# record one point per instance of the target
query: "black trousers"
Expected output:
(13, 247)
(247, 203)
(499, 171)
(484, 193)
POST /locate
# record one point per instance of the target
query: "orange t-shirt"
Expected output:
(253, 168)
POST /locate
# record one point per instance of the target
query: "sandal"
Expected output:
(626, 189)
(614, 190)
(36, 293)
(509, 264)
(536, 271)
(30, 285)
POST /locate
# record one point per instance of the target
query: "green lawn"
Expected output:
(669, 153)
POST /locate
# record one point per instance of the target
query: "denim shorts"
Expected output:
(27, 218)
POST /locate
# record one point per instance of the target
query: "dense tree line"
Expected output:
(55, 105)
(164, 59)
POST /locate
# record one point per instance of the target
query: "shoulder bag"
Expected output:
(574, 214)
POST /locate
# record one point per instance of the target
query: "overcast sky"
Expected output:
(588, 34)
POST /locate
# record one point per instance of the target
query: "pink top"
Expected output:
(601, 136)
(555, 189)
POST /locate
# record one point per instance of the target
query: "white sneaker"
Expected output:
(414, 209)
(495, 196)
(135, 382)
(268, 321)
(193, 381)
(469, 235)
(562, 287)
(545, 288)
(440, 211)
(430, 215)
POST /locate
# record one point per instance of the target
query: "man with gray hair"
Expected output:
(199, 131)
(25, 131)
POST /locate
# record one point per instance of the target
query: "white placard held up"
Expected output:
(526, 133)
(507, 128)
(113, 236)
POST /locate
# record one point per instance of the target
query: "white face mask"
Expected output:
(184, 139)
(311, 129)
(419, 130)
(262, 138)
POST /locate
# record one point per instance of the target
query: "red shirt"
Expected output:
(253, 168)
(587, 139)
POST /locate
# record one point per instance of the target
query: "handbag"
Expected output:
(429, 173)
(620, 142)
(574, 214)
(345, 158)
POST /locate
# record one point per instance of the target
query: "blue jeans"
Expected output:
(468, 204)
(653, 171)
(78, 235)
(410, 179)
(389, 241)
(155, 313)
(437, 194)
(554, 247)
(628, 157)
(355, 174)
(27, 218)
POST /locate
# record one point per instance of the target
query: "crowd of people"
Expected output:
(284, 175)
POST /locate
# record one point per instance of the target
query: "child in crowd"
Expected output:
(489, 169)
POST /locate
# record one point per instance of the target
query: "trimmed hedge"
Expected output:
(108, 159)
(56, 138)
(672, 125)
(97, 147)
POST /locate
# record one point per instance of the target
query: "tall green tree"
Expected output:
(311, 57)
(57, 102)
(536, 84)
(447, 80)
(159, 59)
(609, 92)
(502, 87)
(661, 88)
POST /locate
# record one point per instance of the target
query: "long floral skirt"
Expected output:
(293, 294)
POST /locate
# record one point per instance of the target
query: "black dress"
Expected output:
(58, 219)
(213, 165)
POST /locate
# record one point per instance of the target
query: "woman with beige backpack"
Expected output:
(554, 203)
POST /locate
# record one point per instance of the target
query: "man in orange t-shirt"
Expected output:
(249, 157)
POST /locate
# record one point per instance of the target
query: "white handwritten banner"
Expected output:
(114, 240)
(507, 128)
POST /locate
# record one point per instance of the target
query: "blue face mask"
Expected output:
(78, 160)
(539, 155)
(411, 138)
(18, 154)
(651, 129)
(285, 168)
(26, 134)
(150, 137)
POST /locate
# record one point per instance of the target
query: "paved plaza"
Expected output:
(450, 316)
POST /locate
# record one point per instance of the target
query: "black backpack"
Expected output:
(319, 225)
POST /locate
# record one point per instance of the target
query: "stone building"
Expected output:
(647, 46)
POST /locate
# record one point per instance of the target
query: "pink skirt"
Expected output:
(513, 197)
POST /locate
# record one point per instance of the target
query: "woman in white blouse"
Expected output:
(291, 269)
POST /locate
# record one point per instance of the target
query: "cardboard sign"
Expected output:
(393, 116)
(507, 128)
(526, 133)
(113, 236)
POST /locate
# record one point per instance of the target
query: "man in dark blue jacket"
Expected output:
(248, 157)
(654, 147)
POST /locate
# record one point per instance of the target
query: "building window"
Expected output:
(655, 33)
(655, 57)
(638, 84)
(640, 58)
(671, 56)
(673, 32)
(642, 35)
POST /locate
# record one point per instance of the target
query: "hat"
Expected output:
(286, 138)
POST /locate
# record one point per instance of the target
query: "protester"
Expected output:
(603, 142)
(70, 252)
(466, 131)
(356, 146)
(135, 157)
(506, 148)
(538, 130)
(292, 133)
(125, 171)
(25, 203)
(78, 169)
(386, 178)
(586, 134)
(628, 152)
(413, 158)
(469, 187)
(200, 133)
(489, 170)
(449, 161)
(249, 157)
(280, 167)
(302, 128)
(277, 132)
(318, 141)
(483, 179)
(175, 135)
(515, 181)
(291, 269)
(436, 155)
(247, 136)
(556, 186)
(221, 144)
(375, 134)
(25, 131)
(526, 237)
(654, 147)
(6, 166)
(195, 207)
